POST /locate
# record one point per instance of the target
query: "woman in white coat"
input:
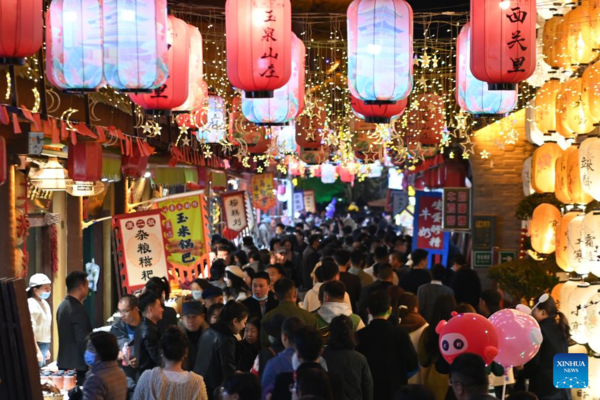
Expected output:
(41, 315)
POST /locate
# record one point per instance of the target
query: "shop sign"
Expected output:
(263, 194)
(482, 259)
(310, 204)
(457, 209)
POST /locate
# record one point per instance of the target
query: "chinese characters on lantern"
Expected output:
(234, 210)
(457, 209)
(141, 248)
(263, 196)
(516, 17)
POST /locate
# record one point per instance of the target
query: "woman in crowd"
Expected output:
(214, 312)
(236, 287)
(218, 354)
(197, 287)
(249, 275)
(312, 381)
(107, 381)
(345, 362)
(556, 334)
(41, 315)
(250, 346)
(434, 371)
(171, 382)
(413, 323)
(241, 387)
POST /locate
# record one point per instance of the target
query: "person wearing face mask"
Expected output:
(106, 380)
(124, 331)
(262, 300)
(197, 287)
(41, 315)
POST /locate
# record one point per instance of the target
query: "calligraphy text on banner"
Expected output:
(457, 209)
(310, 204)
(185, 230)
(234, 211)
(263, 195)
(429, 216)
(141, 248)
(298, 201)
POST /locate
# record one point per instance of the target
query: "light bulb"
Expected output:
(147, 174)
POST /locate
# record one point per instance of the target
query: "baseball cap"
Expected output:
(192, 308)
(37, 280)
(212, 291)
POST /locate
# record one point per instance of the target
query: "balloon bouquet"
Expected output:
(509, 337)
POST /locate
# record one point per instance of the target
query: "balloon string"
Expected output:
(504, 385)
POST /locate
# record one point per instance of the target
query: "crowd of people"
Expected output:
(334, 311)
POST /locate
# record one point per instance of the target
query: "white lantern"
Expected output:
(592, 392)
(574, 252)
(562, 242)
(576, 312)
(526, 176)
(328, 173)
(590, 237)
(286, 138)
(592, 323)
(533, 134)
(565, 292)
(589, 164)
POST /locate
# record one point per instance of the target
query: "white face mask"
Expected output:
(197, 294)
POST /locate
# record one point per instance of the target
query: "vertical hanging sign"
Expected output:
(298, 202)
(140, 248)
(263, 196)
(310, 204)
(428, 224)
(234, 213)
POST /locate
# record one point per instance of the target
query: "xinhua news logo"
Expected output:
(571, 371)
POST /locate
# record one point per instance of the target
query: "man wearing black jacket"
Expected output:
(147, 336)
(310, 258)
(73, 326)
(384, 276)
(124, 331)
(465, 283)
(262, 300)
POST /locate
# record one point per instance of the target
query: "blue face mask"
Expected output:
(197, 294)
(45, 295)
(261, 299)
(90, 358)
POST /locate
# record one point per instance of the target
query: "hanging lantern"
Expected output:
(74, 56)
(574, 250)
(565, 292)
(543, 167)
(577, 310)
(580, 45)
(310, 125)
(526, 177)
(198, 116)
(473, 95)
(549, 37)
(85, 161)
(503, 50)
(562, 107)
(561, 44)
(174, 92)
(259, 42)
(592, 324)
(346, 173)
(545, 103)
(134, 166)
(285, 103)
(380, 53)
(425, 118)
(83, 189)
(543, 227)
(135, 44)
(561, 187)
(195, 97)
(328, 173)
(378, 113)
(21, 30)
(576, 117)
(51, 177)
(576, 192)
(562, 243)
(533, 134)
(589, 164)
(595, 22)
(590, 236)
(215, 128)
(242, 130)
(591, 92)
(555, 293)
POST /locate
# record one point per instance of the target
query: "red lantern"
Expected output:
(85, 161)
(310, 125)
(259, 45)
(503, 41)
(199, 116)
(3, 163)
(378, 113)
(426, 121)
(21, 30)
(346, 174)
(134, 166)
(174, 92)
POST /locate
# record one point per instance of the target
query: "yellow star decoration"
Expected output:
(465, 156)
(419, 153)
(468, 146)
(425, 60)
(156, 129)
(434, 61)
(451, 155)
(461, 121)
(485, 154)
(147, 128)
(423, 81)
(416, 61)
(185, 141)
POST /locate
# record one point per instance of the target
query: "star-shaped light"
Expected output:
(425, 60)
(468, 145)
(147, 127)
(434, 61)
(416, 60)
(461, 121)
(185, 141)
(156, 129)
(465, 156)
(485, 154)
(451, 155)
(445, 140)
(423, 81)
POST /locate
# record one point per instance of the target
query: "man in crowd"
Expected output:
(334, 305)
(468, 378)
(428, 293)
(302, 245)
(465, 283)
(124, 331)
(490, 302)
(400, 269)
(310, 258)
(380, 256)
(418, 275)
(73, 326)
(194, 324)
(329, 272)
(384, 275)
(389, 351)
(285, 292)
(351, 281)
(275, 272)
(262, 300)
(147, 336)
(224, 253)
(357, 262)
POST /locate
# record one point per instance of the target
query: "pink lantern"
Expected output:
(21, 30)
(379, 113)
(196, 97)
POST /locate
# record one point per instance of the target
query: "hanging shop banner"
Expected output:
(428, 225)
(298, 201)
(398, 200)
(263, 195)
(234, 213)
(186, 234)
(310, 205)
(140, 248)
(457, 209)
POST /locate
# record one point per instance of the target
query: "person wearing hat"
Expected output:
(41, 315)
(236, 288)
(194, 324)
(212, 295)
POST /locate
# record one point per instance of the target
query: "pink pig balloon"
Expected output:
(519, 337)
